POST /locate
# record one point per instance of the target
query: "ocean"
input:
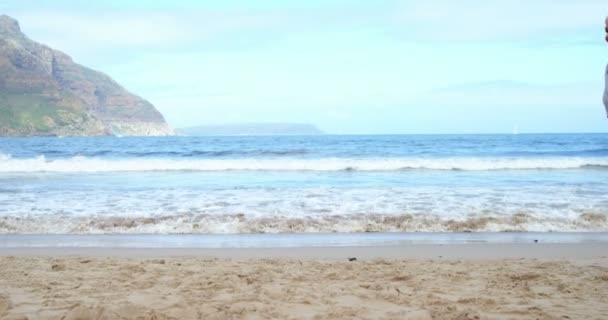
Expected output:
(304, 184)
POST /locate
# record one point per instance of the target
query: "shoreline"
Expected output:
(294, 240)
(575, 251)
(311, 246)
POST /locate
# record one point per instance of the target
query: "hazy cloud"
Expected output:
(496, 20)
(511, 94)
(548, 21)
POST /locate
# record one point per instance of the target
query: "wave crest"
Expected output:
(88, 164)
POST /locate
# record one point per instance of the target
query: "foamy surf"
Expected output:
(77, 164)
(241, 223)
(274, 210)
(213, 185)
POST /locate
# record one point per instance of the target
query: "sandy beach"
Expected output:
(484, 281)
(429, 160)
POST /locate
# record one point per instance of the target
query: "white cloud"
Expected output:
(448, 20)
(105, 30)
(432, 21)
(83, 31)
(511, 94)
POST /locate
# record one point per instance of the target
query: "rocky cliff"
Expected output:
(43, 92)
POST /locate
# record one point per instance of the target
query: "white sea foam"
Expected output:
(303, 210)
(85, 164)
(241, 223)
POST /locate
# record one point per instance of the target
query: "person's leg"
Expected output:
(606, 91)
(606, 74)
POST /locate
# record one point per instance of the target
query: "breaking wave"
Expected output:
(241, 223)
(91, 164)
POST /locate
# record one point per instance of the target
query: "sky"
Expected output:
(347, 66)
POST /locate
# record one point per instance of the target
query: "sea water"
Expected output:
(325, 183)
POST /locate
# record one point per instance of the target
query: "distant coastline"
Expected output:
(251, 129)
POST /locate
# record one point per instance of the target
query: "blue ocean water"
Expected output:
(326, 183)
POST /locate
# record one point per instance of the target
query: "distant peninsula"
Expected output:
(251, 129)
(44, 93)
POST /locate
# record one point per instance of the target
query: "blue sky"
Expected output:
(415, 66)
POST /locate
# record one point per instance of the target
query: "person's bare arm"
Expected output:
(606, 29)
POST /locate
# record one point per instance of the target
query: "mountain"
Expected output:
(251, 129)
(44, 93)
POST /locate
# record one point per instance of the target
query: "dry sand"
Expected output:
(136, 284)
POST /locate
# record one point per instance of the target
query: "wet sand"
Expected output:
(470, 251)
(473, 281)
